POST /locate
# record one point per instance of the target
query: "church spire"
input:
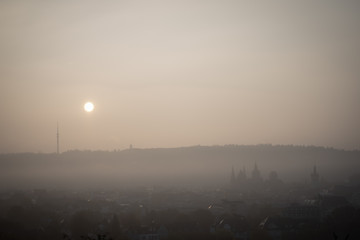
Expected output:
(256, 173)
(232, 179)
(314, 176)
(241, 175)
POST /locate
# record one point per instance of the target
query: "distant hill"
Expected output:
(188, 165)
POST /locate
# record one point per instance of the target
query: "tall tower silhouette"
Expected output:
(57, 138)
(232, 177)
(256, 173)
(314, 176)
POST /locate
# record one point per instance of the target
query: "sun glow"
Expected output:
(89, 107)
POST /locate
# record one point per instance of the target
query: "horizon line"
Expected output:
(189, 146)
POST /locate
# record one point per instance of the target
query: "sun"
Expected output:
(89, 107)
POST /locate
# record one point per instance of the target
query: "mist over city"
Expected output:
(168, 119)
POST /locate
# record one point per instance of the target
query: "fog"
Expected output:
(169, 119)
(198, 166)
(178, 73)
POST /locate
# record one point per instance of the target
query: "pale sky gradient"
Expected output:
(178, 73)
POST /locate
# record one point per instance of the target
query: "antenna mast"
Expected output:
(57, 137)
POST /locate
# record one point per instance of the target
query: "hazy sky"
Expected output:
(178, 73)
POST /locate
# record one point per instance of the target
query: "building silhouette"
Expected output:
(242, 182)
(241, 177)
(232, 177)
(315, 178)
(255, 174)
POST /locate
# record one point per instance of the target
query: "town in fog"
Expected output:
(199, 192)
(179, 120)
